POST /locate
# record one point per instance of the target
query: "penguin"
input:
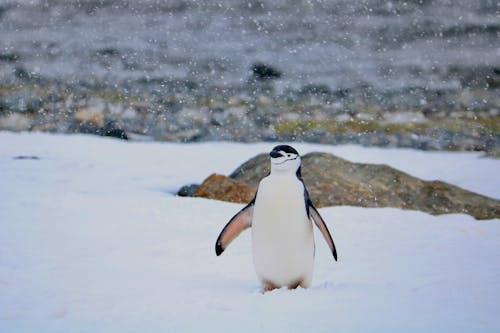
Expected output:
(281, 216)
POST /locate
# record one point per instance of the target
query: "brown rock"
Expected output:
(333, 181)
(15, 122)
(92, 116)
(253, 170)
(224, 188)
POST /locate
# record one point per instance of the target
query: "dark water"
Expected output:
(379, 46)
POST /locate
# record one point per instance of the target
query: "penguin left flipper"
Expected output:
(320, 223)
(239, 222)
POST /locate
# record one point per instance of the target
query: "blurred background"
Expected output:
(418, 73)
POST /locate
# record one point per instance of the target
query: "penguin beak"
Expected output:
(275, 154)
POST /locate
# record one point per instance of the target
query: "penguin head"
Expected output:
(284, 158)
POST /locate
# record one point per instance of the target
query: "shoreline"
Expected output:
(249, 113)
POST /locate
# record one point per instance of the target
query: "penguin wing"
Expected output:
(320, 223)
(239, 222)
(313, 213)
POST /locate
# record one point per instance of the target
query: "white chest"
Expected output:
(282, 238)
(280, 200)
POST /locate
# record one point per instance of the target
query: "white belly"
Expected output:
(282, 236)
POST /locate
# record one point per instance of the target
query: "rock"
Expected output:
(111, 129)
(333, 181)
(139, 137)
(265, 72)
(189, 135)
(234, 101)
(187, 116)
(252, 171)
(90, 119)
(93, 116)
(26, 157)
(224, 188)
(22, 100)
(236, 113)
(23, 74)
(264, 100)
(85, 128)
(129, 114)
(316, 89)
(493, 153)
(15, 122)
(403, 118)
(44, 127)
(188, 190)
(9, 56)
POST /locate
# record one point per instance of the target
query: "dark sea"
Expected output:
(379, 47)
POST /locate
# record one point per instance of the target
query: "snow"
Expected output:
(93, 239)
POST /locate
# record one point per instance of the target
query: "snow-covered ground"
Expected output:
(92, 239)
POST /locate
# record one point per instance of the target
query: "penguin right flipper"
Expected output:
(239, 222)
(320, 223)
(313, 214)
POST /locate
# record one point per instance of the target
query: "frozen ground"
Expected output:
(93, 240)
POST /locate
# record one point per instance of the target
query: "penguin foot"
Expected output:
(268, 286)
(296, 284)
